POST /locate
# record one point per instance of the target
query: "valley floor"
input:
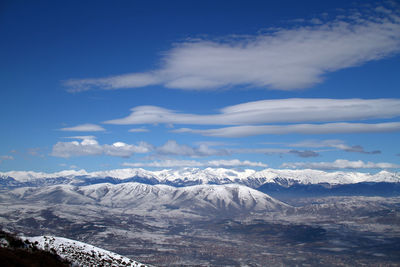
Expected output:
(333, 231)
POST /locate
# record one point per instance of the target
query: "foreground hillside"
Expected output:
(15, 252)
(56, 251)
(81, 254)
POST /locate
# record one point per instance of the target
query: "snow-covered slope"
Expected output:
(214, 197)
(81, 254)
(193, 176)
(199, 199)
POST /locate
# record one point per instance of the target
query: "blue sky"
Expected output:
(100, 85)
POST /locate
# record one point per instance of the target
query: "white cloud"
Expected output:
(86, 147)
(172, 163)
(90, 147)
(84, 128)
(284, 58)
(327, 128)
(270, 111)
(120, 149)
(340, 164)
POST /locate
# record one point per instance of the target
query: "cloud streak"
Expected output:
(283, 59)
(305, 153)
(138, 130)
(172, 163)
(88, 127)
(5, 157)
(271, 111)
(171, 147)
(326, 128)
(88, 146)
(340, 164)
(338, 144)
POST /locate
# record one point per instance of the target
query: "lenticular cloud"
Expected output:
(272, 111)
(283, 59)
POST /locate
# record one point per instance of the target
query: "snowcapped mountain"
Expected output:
(200, 199)
(229, 198)
(194, 176)
(81, 254)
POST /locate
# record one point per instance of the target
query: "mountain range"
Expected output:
(211, 175)
(278, 183)
(199, 199)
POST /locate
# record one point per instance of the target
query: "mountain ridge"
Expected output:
(194, 176)
(203, 199)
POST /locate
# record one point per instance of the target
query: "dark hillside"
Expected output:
(15, 252)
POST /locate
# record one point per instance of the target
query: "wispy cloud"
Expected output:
(173, 163)
(81, 137)
(340, 164)
(138, 130)
(84, 128)
(338, 144)
(305, 153)
(171, 147)
(360, 149)
(90, 147)
(36, 152)
(259, 150)
(272, 151)
(294, 110)
(326, 128)
(284, 58)
(6, 157)
(270, 111)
